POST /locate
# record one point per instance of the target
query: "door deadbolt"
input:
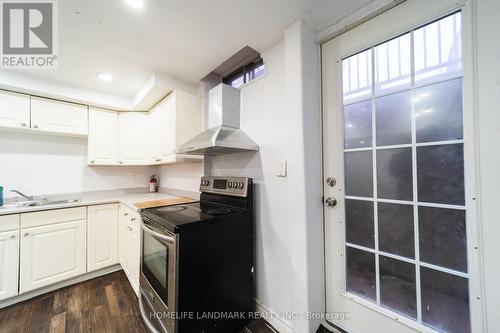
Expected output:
(331, 202)
(331, 181)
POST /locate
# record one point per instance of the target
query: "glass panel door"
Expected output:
(404, 196)
(155, 262)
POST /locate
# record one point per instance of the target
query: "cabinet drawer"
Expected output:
(9, 222)
(30, 220)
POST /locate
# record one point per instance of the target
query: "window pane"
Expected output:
(359, 173)
(442, 235)
(359, 223)
(438, 111)
(394, 174)
(440, 174)
(358, 125)
(396, 229)
(445, 301)
(357, 77)
(361, 273)
(438, 49)
(393, 65)
(397, 286)
(393, 118)
(238, 82)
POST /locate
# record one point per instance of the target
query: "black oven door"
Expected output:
(158, 271)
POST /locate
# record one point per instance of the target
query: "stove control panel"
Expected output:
(235, 186)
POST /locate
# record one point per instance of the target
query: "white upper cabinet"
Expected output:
(59, 117)
(103, 137)
(157, 124)
(182, 117)
(102, 236)
(14, 110)
(133, 138)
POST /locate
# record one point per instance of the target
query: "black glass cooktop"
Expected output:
(175, 217)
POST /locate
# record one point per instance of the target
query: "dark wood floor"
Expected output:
(104, 304)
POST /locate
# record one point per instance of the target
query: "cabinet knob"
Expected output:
(120, 162)
(26, 234)
(132, 219)
(12, 236)
(35, 126)
(129, 228)
(126, 214)
(23, 124)
(92, 162)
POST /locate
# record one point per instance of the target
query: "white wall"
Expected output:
(265, 119)
(488, 102)
(185, 177)
(45, 164)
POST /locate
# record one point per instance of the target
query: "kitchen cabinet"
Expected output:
(130, 245)
(53, 247)
(133, 138)
(175, 120)
(9, 255)
(59, 117)
(14, 110)
(103, 137)
(102, 236)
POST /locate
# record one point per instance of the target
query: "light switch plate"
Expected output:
(282, 168)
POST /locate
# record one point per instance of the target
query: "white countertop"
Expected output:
(127, 197)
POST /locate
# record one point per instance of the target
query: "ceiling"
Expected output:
(182, 39)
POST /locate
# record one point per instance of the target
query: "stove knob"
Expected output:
(240, 185)
(230, 184)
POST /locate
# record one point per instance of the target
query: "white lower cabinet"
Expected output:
(102, 236)
(130, 245)
(53, 247)
(9, 255)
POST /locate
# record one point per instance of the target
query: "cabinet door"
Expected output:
(51, 253)
(102, 236)
(155, 134)
(169, 132)
(134, 256)
(103, 137)
(133, 134)
(14, 110)
(9, 263)
(58, 117)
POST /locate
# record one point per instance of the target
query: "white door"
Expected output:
(14, 110)
(401, 239)
(103, 137)
(102, 236)
(134, 253)
(52, 253)
(59, 117)
(133, 134)
(123, 239)
(9, 263)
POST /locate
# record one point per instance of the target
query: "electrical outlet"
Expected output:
(282, 168)
(135, 176)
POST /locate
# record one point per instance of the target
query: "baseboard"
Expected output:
(34, 293)
(326, 327)
(281, 324)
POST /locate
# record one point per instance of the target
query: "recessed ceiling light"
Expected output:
(104, 76)
(137, 4)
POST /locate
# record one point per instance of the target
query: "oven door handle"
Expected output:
(163, 237)
(144, 315)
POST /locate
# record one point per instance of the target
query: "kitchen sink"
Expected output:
(37, 203)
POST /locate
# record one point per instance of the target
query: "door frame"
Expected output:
(333, 161)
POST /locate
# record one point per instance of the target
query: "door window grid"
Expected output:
(418, 79)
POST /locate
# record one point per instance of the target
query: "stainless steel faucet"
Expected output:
(27, 197)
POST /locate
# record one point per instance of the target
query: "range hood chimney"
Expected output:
(223, 135)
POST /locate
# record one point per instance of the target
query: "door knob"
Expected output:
(331, 202)
(331, 181)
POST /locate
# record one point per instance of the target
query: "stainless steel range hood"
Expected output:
(224, 135)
